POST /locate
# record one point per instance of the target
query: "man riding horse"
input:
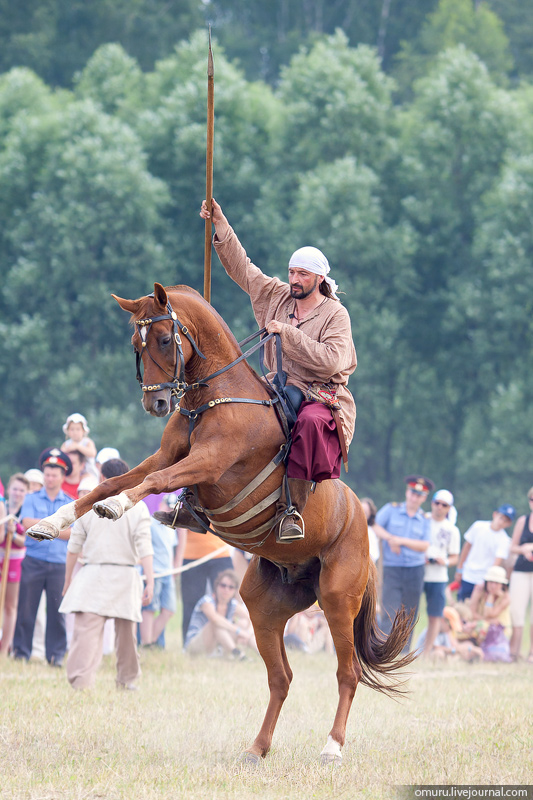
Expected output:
(225, 441)
(318, 357)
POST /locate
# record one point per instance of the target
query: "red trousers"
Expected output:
(316, 451)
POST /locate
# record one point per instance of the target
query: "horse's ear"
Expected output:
(160, 296)
(127, 305)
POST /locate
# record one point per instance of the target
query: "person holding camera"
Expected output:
(443, 552)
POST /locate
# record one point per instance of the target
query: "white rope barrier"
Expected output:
(177, 571)
(186, 567)
(192, 564)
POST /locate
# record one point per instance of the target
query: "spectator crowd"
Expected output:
(481, 613)
(105, 585)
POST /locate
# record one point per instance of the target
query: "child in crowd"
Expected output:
(77, 432)
(35, 479)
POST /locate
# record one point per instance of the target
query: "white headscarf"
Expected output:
(76, 418)
(313, 260)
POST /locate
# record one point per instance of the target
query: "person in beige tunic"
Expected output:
(108, 586)
(317, 346)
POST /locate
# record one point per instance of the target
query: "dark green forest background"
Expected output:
(396, 135)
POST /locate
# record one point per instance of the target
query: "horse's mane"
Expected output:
(182, 288)
(209, 308)
(146, 300)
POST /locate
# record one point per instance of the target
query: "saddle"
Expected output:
(290, 398)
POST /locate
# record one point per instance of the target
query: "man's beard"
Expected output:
(300, 294)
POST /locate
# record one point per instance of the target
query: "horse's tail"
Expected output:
(377, 653)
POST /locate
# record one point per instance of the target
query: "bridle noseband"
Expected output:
(177, 385)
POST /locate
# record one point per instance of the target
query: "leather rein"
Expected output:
(177, 384)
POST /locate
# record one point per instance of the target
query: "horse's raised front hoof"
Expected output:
(109, 509)
(329, 758)
(43, 531)
(250, 759)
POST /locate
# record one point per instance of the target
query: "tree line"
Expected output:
(423, 208)
(55, 38)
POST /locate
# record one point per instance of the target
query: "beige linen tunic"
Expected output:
(321, 348)
(109, 584)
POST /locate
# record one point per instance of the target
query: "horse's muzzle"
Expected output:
(157, 403)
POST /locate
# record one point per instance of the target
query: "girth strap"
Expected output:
(254, 483)
(235, 538)
(252, 512)
(257, 481)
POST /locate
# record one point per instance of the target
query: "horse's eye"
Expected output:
(165, 341)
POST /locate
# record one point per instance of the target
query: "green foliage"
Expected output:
(84, 214)
(55, 38)
(456, 22)
(21, 91)
(113, 79)
(517, 18)
(337, 101)
(172, 129)
(423, 210)
(265, 36)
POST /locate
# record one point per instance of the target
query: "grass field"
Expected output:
(181, 734)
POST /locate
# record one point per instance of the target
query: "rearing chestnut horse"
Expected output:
(223, 436)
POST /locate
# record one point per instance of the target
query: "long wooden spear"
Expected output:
(209, 169)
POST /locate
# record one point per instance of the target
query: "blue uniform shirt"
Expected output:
(395, 519)
(38, 505)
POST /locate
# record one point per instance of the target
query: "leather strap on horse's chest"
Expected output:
(242, 495)
(196, 412)
(252, 512)
(254, 484)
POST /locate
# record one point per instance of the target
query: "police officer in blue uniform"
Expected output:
(405, 532)
(43, 568)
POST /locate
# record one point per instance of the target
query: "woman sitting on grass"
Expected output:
(489, 605)
(220, 620)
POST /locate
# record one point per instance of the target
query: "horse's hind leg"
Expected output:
(271, 603)
(341, 594)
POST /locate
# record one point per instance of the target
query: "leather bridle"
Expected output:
(177, 385)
